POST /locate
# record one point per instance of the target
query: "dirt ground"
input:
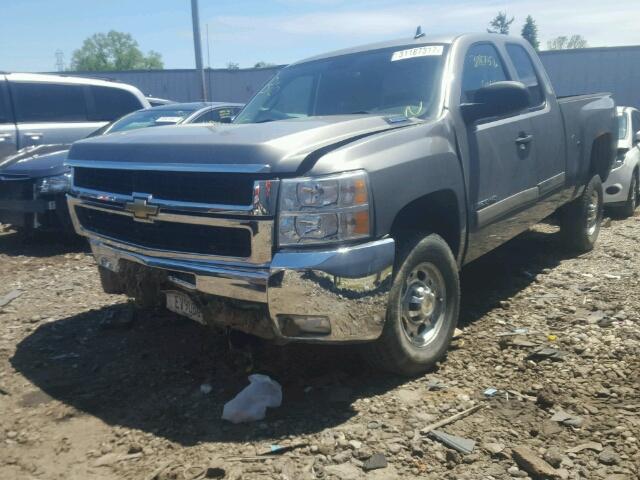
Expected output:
(90, 388)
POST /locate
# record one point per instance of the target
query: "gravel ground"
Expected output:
(91, 388)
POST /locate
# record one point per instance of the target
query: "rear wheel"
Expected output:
(423, 308)
(580, 220)
(632, 200)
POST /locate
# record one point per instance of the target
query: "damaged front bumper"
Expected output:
(330, 295)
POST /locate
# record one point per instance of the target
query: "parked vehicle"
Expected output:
(34, 181)
(622, 188)
(156, 102)
(343, 200)
(40, 109)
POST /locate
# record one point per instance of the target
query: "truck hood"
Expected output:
(36, 162)
(278, 147)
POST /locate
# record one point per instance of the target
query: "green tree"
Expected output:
(566, 43)
(500, 24)
(113, 51)
(233, 66)
(530, 32)
(262, 64)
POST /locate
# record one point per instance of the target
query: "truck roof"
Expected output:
(403, 42)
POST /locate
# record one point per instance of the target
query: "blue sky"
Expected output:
(281, 31)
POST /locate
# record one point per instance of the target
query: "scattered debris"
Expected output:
(435, 385)
(490, 392)
(375, 462)
(252, 402)
(3, 391)
(493, 448)
(451, 419)
(113, 458)
(206, 388)
(595, 446)
(462, 445)
(535, 466)
(567, 419)
(280, 449)
(547, 353)
(10, 297)
(608, 456)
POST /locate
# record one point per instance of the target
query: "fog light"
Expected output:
(300, 325)
(613, 189)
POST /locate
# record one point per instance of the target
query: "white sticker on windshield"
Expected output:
(168, 119)
(426, 51)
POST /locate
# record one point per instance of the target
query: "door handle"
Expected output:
(524, 138)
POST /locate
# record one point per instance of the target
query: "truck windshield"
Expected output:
(392, 81)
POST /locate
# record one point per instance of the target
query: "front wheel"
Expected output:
(422, 313)
(580, 220)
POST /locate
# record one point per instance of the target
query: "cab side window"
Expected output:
(482, 67)
(526, 73)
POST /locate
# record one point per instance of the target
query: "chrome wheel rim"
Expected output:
(593, 211)
(423, 304)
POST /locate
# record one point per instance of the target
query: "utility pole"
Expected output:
(208, 56)
(59, 60)
(198, 48)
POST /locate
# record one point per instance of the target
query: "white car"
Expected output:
(622, 188)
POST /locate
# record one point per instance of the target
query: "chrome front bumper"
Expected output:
(329, 295)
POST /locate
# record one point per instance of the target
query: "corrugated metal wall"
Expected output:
(182, 85)
(572, 72)
(589, 70)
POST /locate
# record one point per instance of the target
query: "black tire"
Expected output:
(581, 219)
(632, 200)
(110, 281)
(397, 350)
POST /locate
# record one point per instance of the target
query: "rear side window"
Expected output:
(111, 103)
(526, 73)
(49, 102)
(482, 67)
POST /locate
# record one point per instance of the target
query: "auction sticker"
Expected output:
(426, 51)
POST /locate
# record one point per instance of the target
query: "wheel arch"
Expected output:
(436, 212)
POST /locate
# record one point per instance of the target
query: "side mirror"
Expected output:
(495, 100)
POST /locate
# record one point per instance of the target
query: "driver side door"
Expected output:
(502, 174)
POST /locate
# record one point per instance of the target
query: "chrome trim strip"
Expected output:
(551, 183)
(173, 167)
(491, 212)
(264, 199)
(261, 233)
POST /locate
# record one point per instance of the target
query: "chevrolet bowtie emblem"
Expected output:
(141, 209)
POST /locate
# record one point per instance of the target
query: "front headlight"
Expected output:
(55, 184)
(328, 209)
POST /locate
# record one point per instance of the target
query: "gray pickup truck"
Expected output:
(343, 200)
